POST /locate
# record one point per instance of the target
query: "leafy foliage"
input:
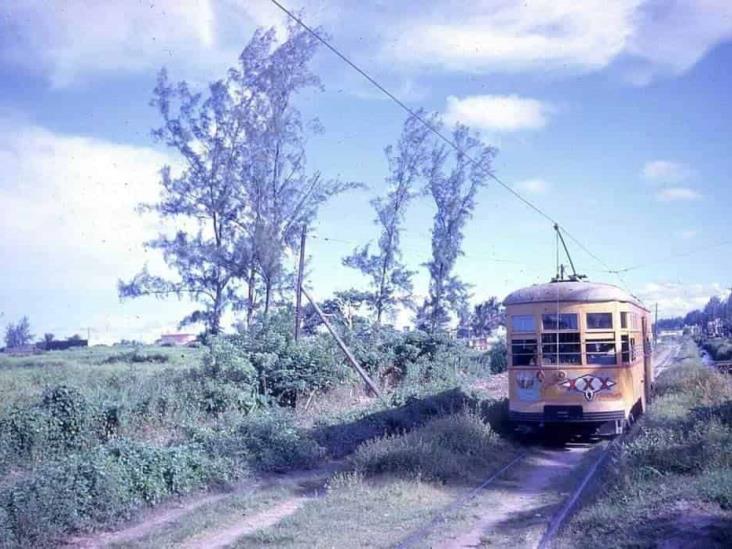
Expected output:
(453, 182)
(18, 335)
(244, 191)
(389, 279)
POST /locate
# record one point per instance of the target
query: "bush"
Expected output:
(497, 357)
(266, 441)
(106, 485)
(269, 358)
(456, 447)
(719, 348)
(136, 356)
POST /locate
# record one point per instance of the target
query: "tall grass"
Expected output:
(679, 459)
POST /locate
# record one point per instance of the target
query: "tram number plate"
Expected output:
(563, 412)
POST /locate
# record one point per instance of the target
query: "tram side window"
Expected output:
(523, 352)
(624, 320)
(601, 351)
(562, 321)
(599, 321)
(561, 348)
(625, 348)
(523, 323)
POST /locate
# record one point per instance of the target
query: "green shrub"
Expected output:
(136, 356)
(455, 447)
(266, 441)
(105, 485)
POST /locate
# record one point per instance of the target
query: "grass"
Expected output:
(458, 448)
(671, 481)
(394, 485)
(356, 513)
(23, 378)
(93, 437)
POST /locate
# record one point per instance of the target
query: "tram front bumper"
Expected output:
(565, 414)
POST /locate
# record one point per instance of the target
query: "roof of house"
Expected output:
(571, 291)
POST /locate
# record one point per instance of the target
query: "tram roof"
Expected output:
(571, 291)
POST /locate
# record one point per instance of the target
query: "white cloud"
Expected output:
(533, 186)
(649, 36)
(70, 230)
(673, 36)
(672, 194)
(502, 113)
(666, 171)
(73, 40)
(676, 299)
(506, 35)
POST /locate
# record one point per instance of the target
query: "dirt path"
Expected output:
(153, 520)
(514, 511)
(222, 537)
(168, 514)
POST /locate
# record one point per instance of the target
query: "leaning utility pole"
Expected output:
(298, 289)
(342, 345)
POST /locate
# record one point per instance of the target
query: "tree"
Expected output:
(18, 335)
(243, 191)
(342, 308)
(486, 317)
(282, 195)
(453, 181)
(390, 280)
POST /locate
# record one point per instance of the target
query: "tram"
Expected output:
(579, 353)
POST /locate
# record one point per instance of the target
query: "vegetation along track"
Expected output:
(528, 500)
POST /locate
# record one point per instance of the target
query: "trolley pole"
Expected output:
(298, 290)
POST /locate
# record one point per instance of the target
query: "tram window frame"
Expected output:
(623, 320)
(553, 322)
(601, 357)
(625, 349)
(561, 348)
(530, 319)
(595, 317)
(528, 352)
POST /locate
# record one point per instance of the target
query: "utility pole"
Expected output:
(655, 326)
(342, 345)
(298, 290)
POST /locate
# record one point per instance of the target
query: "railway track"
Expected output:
(563, 510)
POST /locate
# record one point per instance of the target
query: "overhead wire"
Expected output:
(442, 136)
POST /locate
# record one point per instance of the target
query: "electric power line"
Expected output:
(440, 135)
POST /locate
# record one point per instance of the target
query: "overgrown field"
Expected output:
(672, 481)
(89, 438)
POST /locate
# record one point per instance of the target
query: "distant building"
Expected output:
(715, 328)
(176, 340)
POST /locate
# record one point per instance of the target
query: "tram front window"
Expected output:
(561, 348)
(523, 352)
(601, 352)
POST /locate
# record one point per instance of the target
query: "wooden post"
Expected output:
(342, 345)
(298, 290)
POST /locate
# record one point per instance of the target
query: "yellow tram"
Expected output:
(579, 353)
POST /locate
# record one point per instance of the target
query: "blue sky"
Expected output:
(612, 117)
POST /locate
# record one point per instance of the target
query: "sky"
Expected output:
(613, 117)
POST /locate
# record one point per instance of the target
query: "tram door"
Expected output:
(647, 361)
